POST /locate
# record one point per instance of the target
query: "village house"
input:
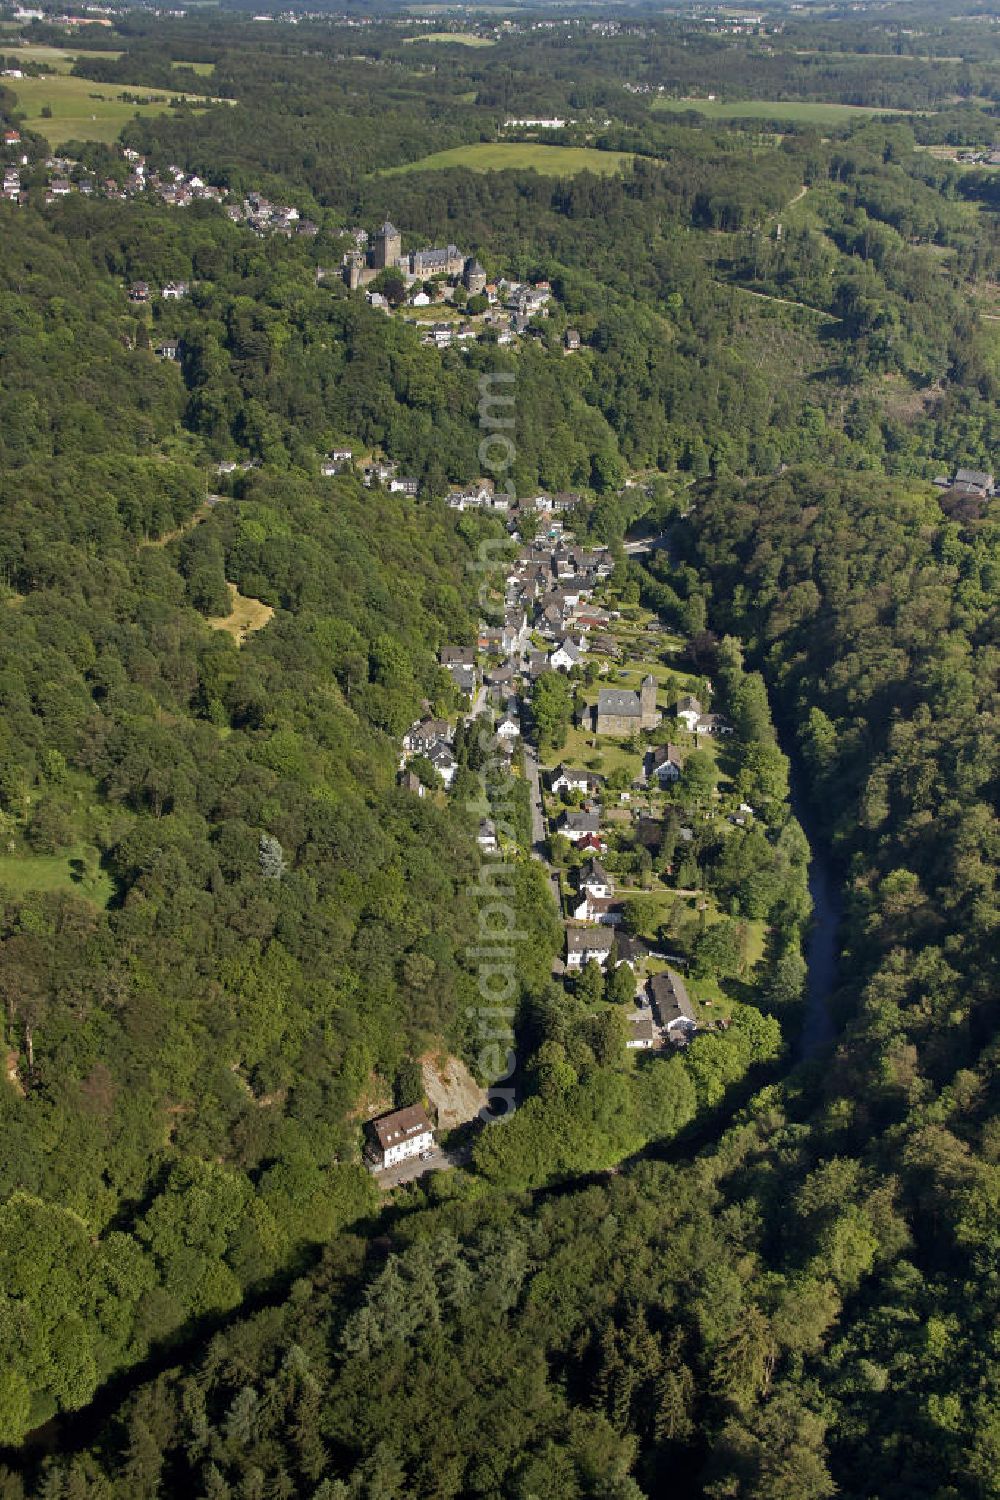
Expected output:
(621, 712)
(672, 1008)
(464, 679)
(712, 724)
(508, 729)
(642, 1032)
(568, 655)
(138, 292)
(425, 733)
(629, 950)
(974, 482)
(588, 944)
(665, 763)
(536, 662)
(565, 779)
(600, 909)
(594, 880)
(689, 710)
(174, 291)
(487, 836)
(167, 349)
(400, 1136)
(410, 782)
(457, 656)
(404, 485)
(443, 761)
(572, 339)
(380, 472)
(575, 825)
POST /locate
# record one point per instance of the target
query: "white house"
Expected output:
(564, 778)
(570, 654)
(577, 825)
(443, 762)
(665, 763)
(403, 1134)
(487, 836)
(689, 710)
(595, 880)
(599, 909)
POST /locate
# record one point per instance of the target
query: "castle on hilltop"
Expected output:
(386, 253)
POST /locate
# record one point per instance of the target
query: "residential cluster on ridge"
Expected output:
(552, 621)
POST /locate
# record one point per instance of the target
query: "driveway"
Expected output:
(409, 1171)
(538, 831)
(478, 705)
(537, 815)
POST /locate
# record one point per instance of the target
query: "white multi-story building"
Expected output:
(403, 1134)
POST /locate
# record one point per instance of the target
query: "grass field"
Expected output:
(82, 109)
(61, 59)
(500, 156)
(246, 616)
(465, 38)
(796, 111)
(203, 69)
(76, 872)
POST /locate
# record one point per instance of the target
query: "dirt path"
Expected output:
(784, 301)
(203, 512)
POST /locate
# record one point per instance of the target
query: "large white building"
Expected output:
(403, 1134)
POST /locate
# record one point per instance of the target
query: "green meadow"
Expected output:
(60, 59)
(464, 38)
(76, 873)
(502, 156)
(794, 111)
(82, 109)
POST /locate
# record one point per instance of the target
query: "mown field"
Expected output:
(465, 38)
(61, 59)
(82, 109)
(505, 156)
(795, 111)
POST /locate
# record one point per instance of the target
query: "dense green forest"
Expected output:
(227, 935)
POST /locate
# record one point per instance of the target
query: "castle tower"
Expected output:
(474, 277)
(647, 702)
(388, 246)
(352, 271)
